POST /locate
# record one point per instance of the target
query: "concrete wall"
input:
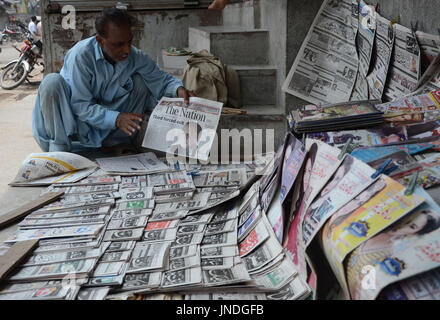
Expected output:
(3, 18)
(274, 19)
(300, 15)
(244, 14)
(155, 30)
(425, 11)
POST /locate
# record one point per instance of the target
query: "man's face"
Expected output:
(117, 43)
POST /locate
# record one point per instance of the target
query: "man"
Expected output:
(33, 26)
(39, 33)
(102, 92)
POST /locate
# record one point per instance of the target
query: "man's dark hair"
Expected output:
(116, 16)
(34, 18)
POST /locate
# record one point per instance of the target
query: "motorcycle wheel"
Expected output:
(9, 80)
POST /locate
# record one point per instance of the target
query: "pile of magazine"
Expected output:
(352, 229)
(360, 114)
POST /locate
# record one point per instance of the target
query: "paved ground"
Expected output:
(16, 105)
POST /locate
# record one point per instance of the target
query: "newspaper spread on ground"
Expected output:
(141, 163)
(79, 268)
(325, 68)
(81, 189)
(229, 177)
(22, 235)
(383, 48)
(183, 130)
(54, 167)
(148, 256)
(98, 179)
(52, 292)
(277, 277)
(404, 70)
(57, 257)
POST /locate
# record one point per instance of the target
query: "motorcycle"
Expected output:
(9, 34)
(17, 71)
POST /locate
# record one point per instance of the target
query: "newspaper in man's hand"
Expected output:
(183, 130)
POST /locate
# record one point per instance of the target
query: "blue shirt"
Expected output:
(99, 90)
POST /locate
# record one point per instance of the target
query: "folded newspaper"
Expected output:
(53, 167)
(183, 130)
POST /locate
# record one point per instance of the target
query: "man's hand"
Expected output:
(185, 94)
(127, 122)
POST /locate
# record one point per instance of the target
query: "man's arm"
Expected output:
(83, 102)
(159, 82)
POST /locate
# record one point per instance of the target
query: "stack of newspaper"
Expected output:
(185, 231)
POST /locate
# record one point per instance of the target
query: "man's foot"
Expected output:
(120, 149)
(218, 4)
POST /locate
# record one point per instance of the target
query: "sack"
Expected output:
(209, 78)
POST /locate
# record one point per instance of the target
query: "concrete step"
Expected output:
(233, 45)
(258, 83)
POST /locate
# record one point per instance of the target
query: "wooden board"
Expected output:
(13, 215)
(15, 255)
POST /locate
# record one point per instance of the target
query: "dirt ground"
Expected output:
(16, 106)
